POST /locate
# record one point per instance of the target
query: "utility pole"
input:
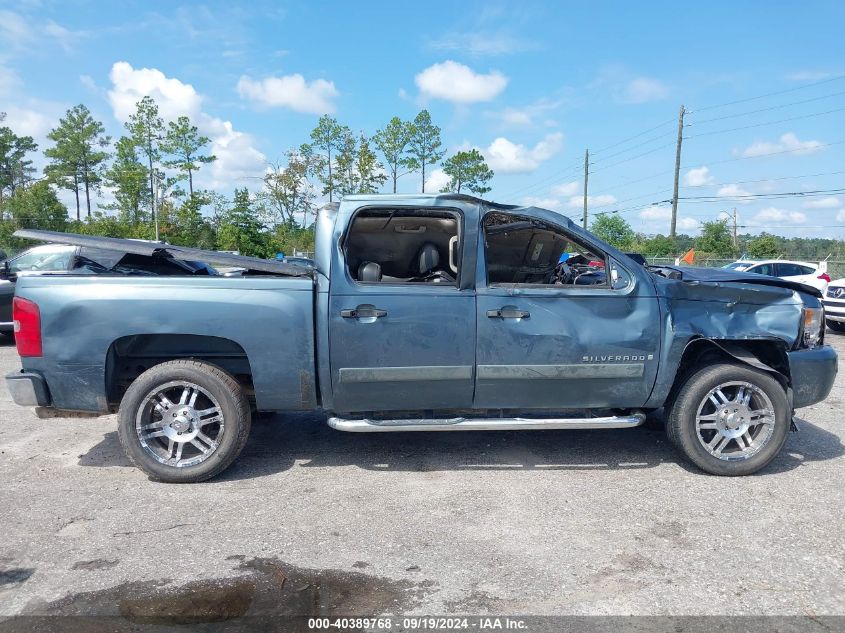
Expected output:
(677, 173)
(155, 195)
(733, 216)
(586, 178)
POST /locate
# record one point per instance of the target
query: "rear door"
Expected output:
(560, 325)
(401, 329)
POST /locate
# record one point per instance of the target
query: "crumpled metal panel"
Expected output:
(722, 311)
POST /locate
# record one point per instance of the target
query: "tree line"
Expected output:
(716, 241)
(150, 170)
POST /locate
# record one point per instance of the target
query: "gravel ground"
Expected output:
(554, 522)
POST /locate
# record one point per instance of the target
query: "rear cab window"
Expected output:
(404, 246)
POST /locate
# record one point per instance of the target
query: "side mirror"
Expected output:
(6, 271)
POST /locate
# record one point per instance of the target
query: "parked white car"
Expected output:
(803, 272)
(834, 305)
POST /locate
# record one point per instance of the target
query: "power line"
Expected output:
(775, 107)
(631, 138)
(748, 182)
(785, 151)
(768, 94)
(753, 125)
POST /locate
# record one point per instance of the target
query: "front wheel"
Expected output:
(729, 419)
(183, 421)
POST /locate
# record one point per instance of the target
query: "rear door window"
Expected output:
(789, 270)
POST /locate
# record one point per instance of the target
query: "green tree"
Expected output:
(37, 207)
(78, 157)
(127, 177)
(424, 146)
(468, 170)
(368, 169)
(185, 144)
(146, 128)
(614, 230)
(188, 227)
(15, 168)
(287, 192)
(240, 229)
(657, 246)
(763, 246)
(329, 137)
(715, 239)
(392, 142)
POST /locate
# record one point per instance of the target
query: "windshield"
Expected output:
(740, 266)
(51, 257)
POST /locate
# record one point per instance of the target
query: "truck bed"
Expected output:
(88, 323)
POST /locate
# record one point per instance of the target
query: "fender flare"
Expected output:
(746, 357)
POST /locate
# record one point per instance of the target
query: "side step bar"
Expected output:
(485, 424)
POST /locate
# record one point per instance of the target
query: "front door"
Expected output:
(401, 331)
(556, 330)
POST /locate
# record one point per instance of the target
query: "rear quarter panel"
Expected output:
(270, 318)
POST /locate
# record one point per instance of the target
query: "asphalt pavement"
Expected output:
(312, 520)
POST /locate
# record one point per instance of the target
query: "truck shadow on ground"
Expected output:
(278, 443)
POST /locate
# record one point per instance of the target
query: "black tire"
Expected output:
(681, 420)
(836, 326)
(216, 383)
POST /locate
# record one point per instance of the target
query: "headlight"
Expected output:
(812, 327)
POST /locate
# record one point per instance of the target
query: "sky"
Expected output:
(532, 85)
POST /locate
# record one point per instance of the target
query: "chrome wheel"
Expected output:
(179, 424)
(735, 420)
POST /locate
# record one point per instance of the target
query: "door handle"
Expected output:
(363, 312)
(508, 313)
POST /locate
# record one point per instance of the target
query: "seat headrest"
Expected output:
(428, 258)
(369, 271)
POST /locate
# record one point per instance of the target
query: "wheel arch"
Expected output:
(130, 356)
(768, 355)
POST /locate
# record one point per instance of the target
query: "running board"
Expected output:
(485, 424)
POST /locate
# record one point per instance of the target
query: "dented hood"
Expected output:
(693, 274)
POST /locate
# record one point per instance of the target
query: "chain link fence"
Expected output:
(836, 269)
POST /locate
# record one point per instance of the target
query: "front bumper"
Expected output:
(813, 372)
(28, 389)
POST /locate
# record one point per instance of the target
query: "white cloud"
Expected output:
(831, 202)
(19, 34)
(290, 91)
(9, 81)
(436, 181)
(773, 214)
(237, 156)
(28, 122)
(455, 82)
(543, 203)
(592, 201)
(688, 224)
(788, 142)
(732, 190)
(664, 215)
(643, 90)
(808, 75)
(698, 177)
(482, 44)
(527, 115)
(567, 188)
(656, 213)
(505, 156)
(840, 217)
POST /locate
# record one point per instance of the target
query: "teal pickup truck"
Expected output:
(423, 313)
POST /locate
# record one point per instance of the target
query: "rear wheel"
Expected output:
(836, 326)
(729, 419)
(183, 421)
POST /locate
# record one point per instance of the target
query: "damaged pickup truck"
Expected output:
(424, 313)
